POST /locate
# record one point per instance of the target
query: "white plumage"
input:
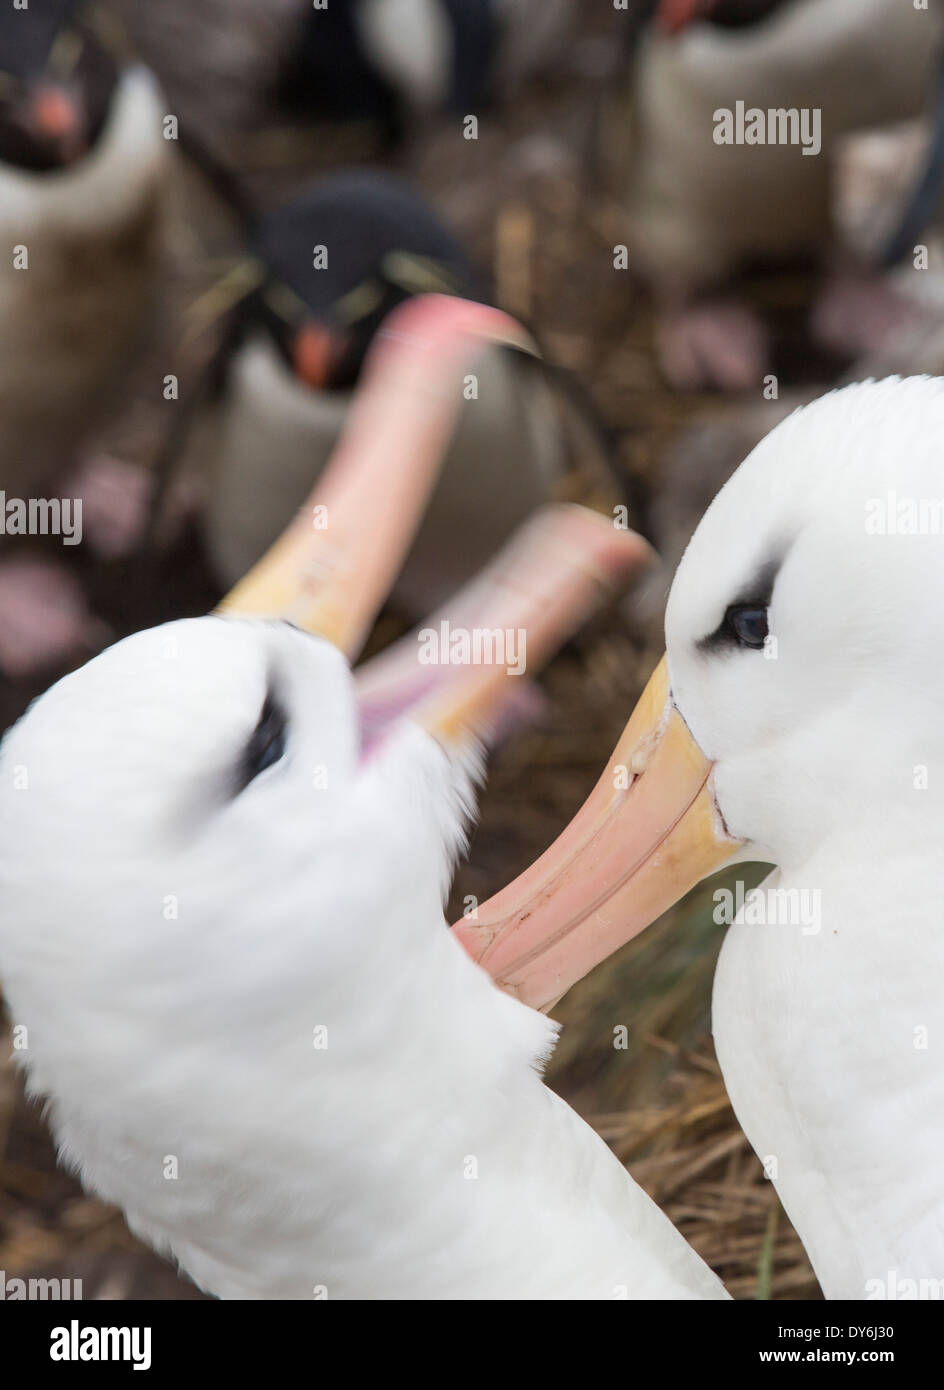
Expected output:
(795, 721)
(176, 951)
(828, 764)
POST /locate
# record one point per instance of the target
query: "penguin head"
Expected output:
(387, 62)
(57, 79)
(338, 259)
(673, 16)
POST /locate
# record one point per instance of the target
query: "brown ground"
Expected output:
(530, 209)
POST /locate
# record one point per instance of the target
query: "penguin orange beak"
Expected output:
(672, 16)
(648, 832)
(316, 351)
(56, 116)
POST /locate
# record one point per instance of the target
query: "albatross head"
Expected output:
(805, 624)
(223, 947)
(198, 845)
(799, 697)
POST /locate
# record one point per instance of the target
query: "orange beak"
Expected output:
(56, 115)
(648, 832)
(672, 16)
(316, 350)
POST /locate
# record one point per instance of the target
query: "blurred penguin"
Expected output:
(676, 15)
(700, 211)
(331, 265)
(387, 61)
(82, 174)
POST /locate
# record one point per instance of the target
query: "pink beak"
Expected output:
(332, 568)
(647, 833)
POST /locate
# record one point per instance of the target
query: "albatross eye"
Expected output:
(747, 624)
(266, 744)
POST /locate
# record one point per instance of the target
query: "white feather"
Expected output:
(172, 949)
(819, 756)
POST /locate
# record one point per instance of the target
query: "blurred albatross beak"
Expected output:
(557, 568)
(647, 833)
(332, 569)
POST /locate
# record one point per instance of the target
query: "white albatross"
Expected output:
(221, 925)
(796, 720)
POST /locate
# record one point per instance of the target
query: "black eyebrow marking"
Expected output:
(755, 593)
